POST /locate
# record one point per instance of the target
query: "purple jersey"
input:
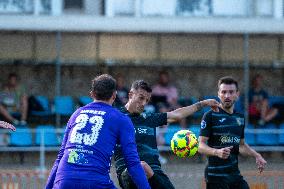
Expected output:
(88, 145)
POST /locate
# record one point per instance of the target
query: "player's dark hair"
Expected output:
(103, 87)
(141, 84)
(228, 80)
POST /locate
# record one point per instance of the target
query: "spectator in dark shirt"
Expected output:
(259, 110)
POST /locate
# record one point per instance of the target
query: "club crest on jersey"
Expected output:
(203, 124)
(240, 121)
(144, 115)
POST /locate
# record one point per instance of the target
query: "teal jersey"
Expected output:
(223, 130)
(145, 135)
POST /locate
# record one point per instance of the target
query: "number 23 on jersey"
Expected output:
(96, 122)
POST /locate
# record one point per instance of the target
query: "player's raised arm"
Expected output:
(183, 112)
(6, 125)
(129, 150)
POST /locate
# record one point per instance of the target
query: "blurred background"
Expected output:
(50, 50)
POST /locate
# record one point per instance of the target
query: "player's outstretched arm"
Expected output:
(203, 148)
(6, 125)
(248, 151)
(183, 112)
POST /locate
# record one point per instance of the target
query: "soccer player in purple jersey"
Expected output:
(92, 132)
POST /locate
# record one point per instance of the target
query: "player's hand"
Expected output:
(212, 103)
(147, 169)
(224, 153)
(260, 162)
(6, 125)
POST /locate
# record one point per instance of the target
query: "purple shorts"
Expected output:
(81, 184)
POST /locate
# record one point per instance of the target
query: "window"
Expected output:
(73, 5)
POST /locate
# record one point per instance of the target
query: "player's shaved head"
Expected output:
(103, 87)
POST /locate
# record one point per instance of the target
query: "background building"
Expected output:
(58, 46)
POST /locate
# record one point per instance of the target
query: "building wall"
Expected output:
(87, 47)
(194, 62)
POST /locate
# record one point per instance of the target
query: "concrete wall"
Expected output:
(186, 56)
(88, 47)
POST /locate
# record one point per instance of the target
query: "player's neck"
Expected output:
(106, 102)
(228, 110)
(128, 108)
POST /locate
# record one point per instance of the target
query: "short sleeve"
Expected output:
(158, 119)
(205, 126)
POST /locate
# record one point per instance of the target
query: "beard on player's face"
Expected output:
(137, 107)
(140, 109)
(227, 103)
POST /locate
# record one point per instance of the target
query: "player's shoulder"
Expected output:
(78, 111)
(119, 114)
(239, 114)
(209, 113)
(154, 115)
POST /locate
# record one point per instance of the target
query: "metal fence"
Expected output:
(39, 140)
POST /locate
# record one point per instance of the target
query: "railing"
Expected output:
(275, 144)
(44, 146)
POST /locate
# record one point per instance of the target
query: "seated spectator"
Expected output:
(165, 95)
(14, 101)
(277, 113)
(259, 110)
(122, 92)
(165, 99)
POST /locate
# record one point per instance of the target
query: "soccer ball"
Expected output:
(184, 143)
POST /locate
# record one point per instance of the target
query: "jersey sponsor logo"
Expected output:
(144, 130)
(203, 124)
(222, 120)
(76, 158)
(225, 139)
